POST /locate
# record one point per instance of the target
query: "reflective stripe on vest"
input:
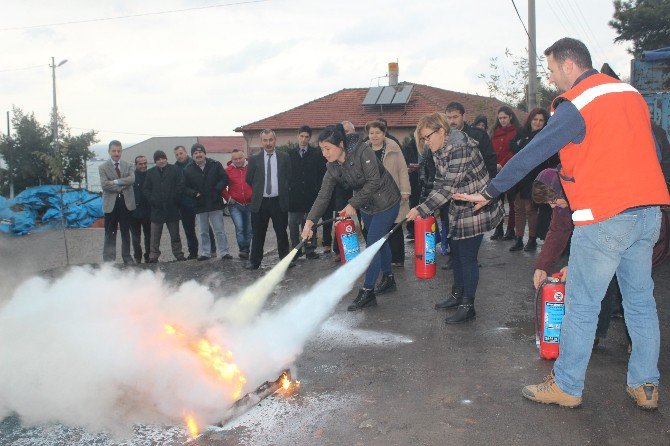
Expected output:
(592, 93)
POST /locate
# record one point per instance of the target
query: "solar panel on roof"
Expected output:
(372, 96)
(402, 94)
(386, 97)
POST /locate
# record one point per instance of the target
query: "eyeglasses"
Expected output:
(425, 139)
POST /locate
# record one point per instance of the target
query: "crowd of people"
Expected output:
(603, 200)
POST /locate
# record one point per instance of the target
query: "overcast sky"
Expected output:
(206, 71)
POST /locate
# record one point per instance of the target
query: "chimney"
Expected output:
(393, 74)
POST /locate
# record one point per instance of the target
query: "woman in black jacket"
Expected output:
(355, 166)
(524, 208)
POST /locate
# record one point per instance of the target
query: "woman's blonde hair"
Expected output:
(433, 121)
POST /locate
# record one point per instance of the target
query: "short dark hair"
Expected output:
(542, 193)
(138, 157)
(333, 134)
(305, 129)
(179, 147)
(114, 142)
(235, 151)
(377, 125)
(455, 106)
(568, 48)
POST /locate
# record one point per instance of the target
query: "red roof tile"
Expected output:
(346, 104)
(221, 144)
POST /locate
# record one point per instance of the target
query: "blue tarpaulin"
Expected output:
(656, 55)
(39, 207)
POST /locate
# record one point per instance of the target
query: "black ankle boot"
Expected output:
(365, 298)
(509, 235)
(452, 301)
(518, 246)
(531, 245)
(386, 284)
(465, 312)
(498, 233)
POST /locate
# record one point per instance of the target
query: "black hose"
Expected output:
(323, 222)
(395, 228)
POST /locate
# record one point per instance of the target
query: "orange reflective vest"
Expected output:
(616, 166)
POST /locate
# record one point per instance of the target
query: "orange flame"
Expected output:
(192, 425)
(288, 386)
(218, 361)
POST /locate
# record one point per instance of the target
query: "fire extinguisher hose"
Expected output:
(395, 228)
(321, 223)
(538, 306)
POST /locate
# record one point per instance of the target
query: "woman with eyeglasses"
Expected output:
(354, 165)
(459, 167)
(504, 131)
(524, 208)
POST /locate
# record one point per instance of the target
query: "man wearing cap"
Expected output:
(118, 199)
(204, 180)
(268, 175)
(140, 218)
(163, 188)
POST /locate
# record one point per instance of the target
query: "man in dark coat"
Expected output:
(163, 188)
(307, 169)
(186, 208)
(455, 112)
(204, 180)
(140, 218)
(268, 175)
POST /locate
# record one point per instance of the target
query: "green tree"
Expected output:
(507, 81)
(645, 23)
(32, 160)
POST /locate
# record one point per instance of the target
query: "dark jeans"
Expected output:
(259, 226)
(188, 223)
(378, 226)
(397, 244)
(118, 218)
(137, 226)
(327, 240)
(464, 260)
(175, 239)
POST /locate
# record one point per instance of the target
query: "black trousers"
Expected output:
(327, 240)
(259, 226)
(118, 218)
(175, 239)
(397, 244)
(188, 223)
(137, 226)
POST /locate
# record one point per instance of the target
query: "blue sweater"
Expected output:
(565, 126)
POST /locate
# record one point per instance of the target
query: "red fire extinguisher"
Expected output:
(347, 239)
(424, 247)
(549, 311)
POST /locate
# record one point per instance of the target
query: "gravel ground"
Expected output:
(394, 374)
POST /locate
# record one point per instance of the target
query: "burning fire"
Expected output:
(217, 360)
(288, 386)
(192, 425)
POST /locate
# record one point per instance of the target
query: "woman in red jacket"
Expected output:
(503, 134)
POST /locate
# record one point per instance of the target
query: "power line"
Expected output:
(24, 68)
(528, 34)
(143, 14)
(553, 11)
(590, 32)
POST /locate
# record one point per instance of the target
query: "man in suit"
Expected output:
(307, 169)
(268, 175)
(118, 199)
(140, 218)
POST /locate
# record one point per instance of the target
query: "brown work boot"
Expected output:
(549, 393)
(645, 396)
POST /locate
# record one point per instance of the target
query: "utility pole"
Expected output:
(54, 123)
(532, 57)
(10, 160)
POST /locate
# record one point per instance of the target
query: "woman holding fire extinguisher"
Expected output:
(354, 165)
(459, 167)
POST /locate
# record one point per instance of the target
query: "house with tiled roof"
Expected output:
(348, 104)
(217, 147)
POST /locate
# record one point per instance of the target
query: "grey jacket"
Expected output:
(125, 186)
(374, 188)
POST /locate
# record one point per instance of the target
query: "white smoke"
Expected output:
(90, 350)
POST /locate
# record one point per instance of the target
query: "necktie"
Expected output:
(268, 176)
(302, 153)
(116, 167)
